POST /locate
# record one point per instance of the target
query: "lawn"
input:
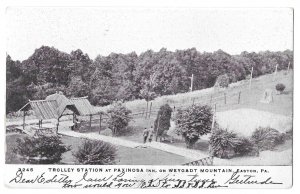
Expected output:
(125, 156)
(283, 104)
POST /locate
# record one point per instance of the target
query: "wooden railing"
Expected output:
(208, 161)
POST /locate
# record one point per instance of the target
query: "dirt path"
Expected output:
(190, 154)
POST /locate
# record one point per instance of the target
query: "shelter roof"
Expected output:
(55, 105)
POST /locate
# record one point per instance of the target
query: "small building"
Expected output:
(57, 105)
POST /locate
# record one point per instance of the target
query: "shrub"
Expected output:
(267, 138)
(280, 87)
(118, 118)
(223, 143)
(245, 146)
(289, 134)
(40, 150)
(193, 122)
(222, 81)
(95, 153)
(163, 119)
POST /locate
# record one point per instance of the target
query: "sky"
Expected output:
(122, 30)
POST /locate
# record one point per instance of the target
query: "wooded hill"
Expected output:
(129, 76)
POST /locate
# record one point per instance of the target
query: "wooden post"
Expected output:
(174, 110)
(224, 97)
(146, 110)
(156, 135)
(24, 115)
(251, 78)
(213, 121)
(90, 122)
(275, 72)
(100, 122)
(192, 82)
(150, 109)
(57, 125)
(239, 99)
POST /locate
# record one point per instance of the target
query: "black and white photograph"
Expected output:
(181, 87)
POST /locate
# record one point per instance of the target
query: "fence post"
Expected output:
(90, 122)
(213, 121)
(57, 125)
(146, 110)
(251, 78)
(239, 99)
(225, 97)
(275, 72)
(100, 122)
(157, 128)
(150, 109)
(24, 115)
(174, 110)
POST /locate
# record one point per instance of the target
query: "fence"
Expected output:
(218, 100)
(208, 161)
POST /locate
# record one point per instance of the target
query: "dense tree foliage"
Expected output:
(129, 76)
(118, 118)
(193, 122)
(163, 118)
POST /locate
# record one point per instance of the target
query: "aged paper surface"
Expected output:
(117, 97)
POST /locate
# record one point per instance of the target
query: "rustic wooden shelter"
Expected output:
(57, 105)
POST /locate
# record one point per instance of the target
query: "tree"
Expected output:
(94, 152)
(147, 92)
(118, 118)
(162, 121)
(41, 149)
(193, 122)
(77, 87)
(47, 64)
(16, 95)
(222, 81)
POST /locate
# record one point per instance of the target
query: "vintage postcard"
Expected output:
(112, 97)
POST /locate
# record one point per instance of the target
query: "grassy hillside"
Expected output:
(249, 98)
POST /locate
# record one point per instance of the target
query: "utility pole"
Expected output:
(251, 78)
(192, 82)
(275, 72)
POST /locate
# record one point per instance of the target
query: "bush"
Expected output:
(95, 153)
(289, 134)
(40, 150)
(222, 81)
(118, 118)
(280, 87)
(245, 147)
(163, 119)
(223, 143)
(193, 122)
(267, 138)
